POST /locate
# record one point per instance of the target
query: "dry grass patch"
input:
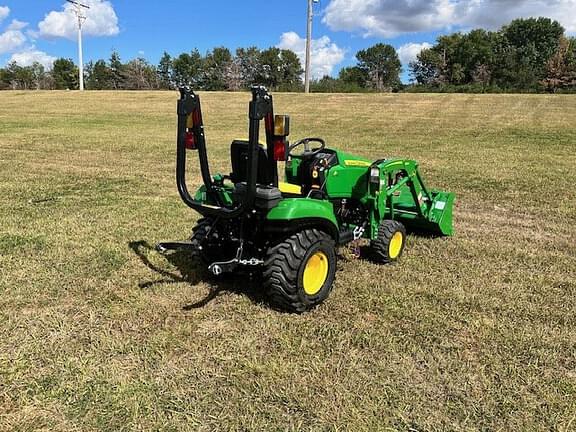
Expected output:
(98, 332)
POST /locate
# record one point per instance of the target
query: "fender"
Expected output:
(298, 212)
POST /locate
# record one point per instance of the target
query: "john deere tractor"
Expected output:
(289, 230)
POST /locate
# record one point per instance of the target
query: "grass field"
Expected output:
(99, 332)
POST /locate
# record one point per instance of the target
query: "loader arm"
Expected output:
(408, 199)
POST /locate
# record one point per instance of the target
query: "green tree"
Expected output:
(117, 72)
(37, 74)
(65, 74)
(513, 58)
(354, 76)
(10, 74)
(269, 73)
(4, 81)
(473, 50)
(291, 69)
(99, 76)
(446, 49)
(482, 75)
(457, 74)
(215, 66)
(571, 52)
(249, 65)
(525, 47)
(188, 69)
(279, 68)
(382, 65)
(536, 39)
(327, 84)
(20, 78)
(427, 68)
(164, 71)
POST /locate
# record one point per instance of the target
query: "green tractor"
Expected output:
(289, 231)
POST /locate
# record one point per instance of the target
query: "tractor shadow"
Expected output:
(190, 271)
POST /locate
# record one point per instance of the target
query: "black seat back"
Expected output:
(239, 158)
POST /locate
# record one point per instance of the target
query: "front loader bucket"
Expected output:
(440, 213)
(439, 220)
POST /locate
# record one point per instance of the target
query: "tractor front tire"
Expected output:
(389, 245)
(299, 272)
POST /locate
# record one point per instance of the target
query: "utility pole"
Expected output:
(310, 19)
(78, 11)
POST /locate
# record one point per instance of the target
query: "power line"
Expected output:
(78, 11)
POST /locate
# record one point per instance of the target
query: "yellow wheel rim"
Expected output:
(395, 245)
(315, 273)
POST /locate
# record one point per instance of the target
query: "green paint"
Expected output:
(400, 194)
(293, 209)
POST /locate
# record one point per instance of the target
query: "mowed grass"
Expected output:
(99, 332)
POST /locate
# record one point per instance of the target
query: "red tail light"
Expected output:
(197, 117)
(280, 149)
(190, 141)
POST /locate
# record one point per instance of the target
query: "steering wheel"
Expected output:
(307, 152)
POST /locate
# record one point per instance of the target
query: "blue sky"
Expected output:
(43, 29)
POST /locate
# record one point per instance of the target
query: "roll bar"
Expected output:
(190, 121)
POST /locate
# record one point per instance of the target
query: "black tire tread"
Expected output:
(199, 233)
(379, 247)
(281, 269)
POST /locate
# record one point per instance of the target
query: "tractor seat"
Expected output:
(239, 159)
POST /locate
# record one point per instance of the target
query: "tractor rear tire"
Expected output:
(299, 272)
(389, 245)
(199, 234)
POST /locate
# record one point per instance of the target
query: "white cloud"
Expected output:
(12, 38)
(4, 12)
(31, 56)
(494, 13)
(28, 57)
(101, 20)
(409, 51)
(13, 41)
(325, 54)
(390, 18)
(17, 25)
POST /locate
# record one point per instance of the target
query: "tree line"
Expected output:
(279, 69)
(526, 55)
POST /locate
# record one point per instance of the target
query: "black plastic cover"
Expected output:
(267, 197)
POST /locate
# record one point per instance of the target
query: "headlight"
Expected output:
(375, 175)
